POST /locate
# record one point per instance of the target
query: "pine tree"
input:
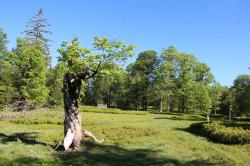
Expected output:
(37, 32)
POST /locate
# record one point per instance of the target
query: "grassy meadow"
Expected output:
(130, 138)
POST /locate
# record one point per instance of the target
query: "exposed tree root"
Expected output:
(87, 133)
(69, 139)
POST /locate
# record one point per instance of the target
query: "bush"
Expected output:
(218, 132)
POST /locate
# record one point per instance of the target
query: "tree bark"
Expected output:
(73, 135)
(208, 118)
(137, 107)
(171, 105)
(161, 101)
(230, 114)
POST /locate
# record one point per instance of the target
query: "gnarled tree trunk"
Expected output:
(73, 134)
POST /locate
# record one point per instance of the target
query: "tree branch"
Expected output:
(87, 74)
(95, 72)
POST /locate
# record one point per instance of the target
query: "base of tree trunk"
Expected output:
(73, 135)
(69, 139)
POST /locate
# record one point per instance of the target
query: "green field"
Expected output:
(130, 138)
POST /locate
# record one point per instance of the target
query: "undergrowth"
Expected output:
(218, 132)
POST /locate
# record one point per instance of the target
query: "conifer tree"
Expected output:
(38, 33)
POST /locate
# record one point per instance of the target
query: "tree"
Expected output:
(134, 87)
(163, 84)
(142, 74)
(203, 74)
(7, 88)
(226, 100)
(203, 100)
(241, 92)
(30, 74)
(108, 88)
(187, 73)
(3, 41)
(82, 64)
(37, 32)
(216, 93)
(55, 84)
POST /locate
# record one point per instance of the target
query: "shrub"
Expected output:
(218, 132)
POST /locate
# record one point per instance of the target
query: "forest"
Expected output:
(171, 84)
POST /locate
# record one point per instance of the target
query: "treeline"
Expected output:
(169, 81)
(173, 82)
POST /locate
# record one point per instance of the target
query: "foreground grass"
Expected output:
(131, 138)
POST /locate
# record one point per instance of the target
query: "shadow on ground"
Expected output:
(113, 155)
(93, 154)
(28, 138)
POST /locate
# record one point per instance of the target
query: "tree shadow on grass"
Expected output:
(114, 155)
(28, 138)
(96, 154)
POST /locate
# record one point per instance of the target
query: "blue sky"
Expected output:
(217, 32)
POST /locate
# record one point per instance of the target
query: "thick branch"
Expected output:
(95, 72)
(86, 75)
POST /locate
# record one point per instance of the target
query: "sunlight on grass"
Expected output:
(130, 138)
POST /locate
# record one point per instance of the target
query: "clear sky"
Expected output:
(217, 32)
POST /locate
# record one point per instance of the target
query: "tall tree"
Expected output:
(37, 31)
(55, 84)
(187, 71)
(107, 88)
(203, 100)
(134, 86)
(82, 64)
(30, 74)
(241, 92)
(7, 89)
(163, 84)
(226, 100)
(216, 93)
(143, 73)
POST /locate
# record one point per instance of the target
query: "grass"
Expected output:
(130, 138)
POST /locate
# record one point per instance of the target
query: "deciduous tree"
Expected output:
(30, 73)
(82, 64)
